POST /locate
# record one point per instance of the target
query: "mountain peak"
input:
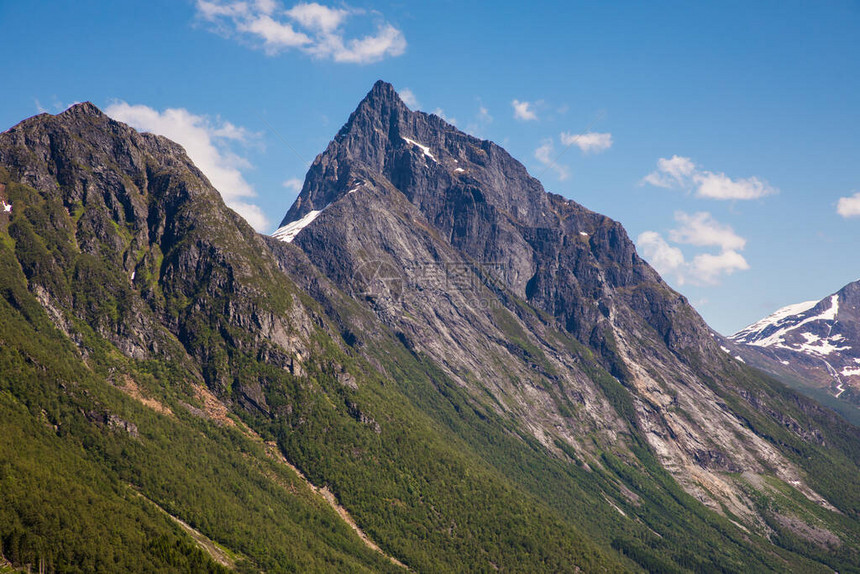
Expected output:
(383, 89)
(83, 109)
(380, 103)
(382, 94)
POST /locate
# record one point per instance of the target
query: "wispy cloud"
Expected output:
(294, 184)
(55, 107)
(311, 28)
(849, 206)
(546, 155)
(208, 143)
(681, 173)
(408, 97)
(591, 142)
(524, 111)
(480, 121)
(701, 230)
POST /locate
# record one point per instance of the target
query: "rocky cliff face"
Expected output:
(454, 246)
(143, 251)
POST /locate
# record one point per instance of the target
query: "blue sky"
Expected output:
(723, 136)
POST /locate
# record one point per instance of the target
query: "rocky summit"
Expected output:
(432, 365)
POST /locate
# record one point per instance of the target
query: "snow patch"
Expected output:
(772, 320)
(424, 148)
(725, 350)
(851, 371)
(289, 231)
(738, 358)
(817, 346)
(782, 321)
(7, 207)
(133, 275)
(830, 314)
(459, 170)
(785, 362)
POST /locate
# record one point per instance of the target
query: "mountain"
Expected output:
(816, 343)
(433, 364)
(539, 309)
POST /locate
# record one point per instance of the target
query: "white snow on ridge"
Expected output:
(773, 319)
(784, 316)
(424, 148)
(850, 371)
(289, 231)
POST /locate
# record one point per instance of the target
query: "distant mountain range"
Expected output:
(815, 344)
(433, 364)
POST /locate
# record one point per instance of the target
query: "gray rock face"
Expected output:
(159, 266)
(453, 245)
(564, 259)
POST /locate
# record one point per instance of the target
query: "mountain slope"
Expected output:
(816, 343)
(197, 349)
(105, 413)
(521, 298)
(477, 383)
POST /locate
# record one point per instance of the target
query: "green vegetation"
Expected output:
(95, 447)
(71, 479)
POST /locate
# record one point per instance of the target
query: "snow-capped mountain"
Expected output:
(816, 341)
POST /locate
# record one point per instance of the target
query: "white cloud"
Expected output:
(275, 35)
(720, 186)
(671, 172)
(588, 142)
(545, 155)
(707, 268)
(524, 111)
(663, 257)
(484, 116)
(312, 28)
(408, 97)
(207, 143)
(681, 173)
(317, 17)
(849, 206)
(294, 184)
(702, 230)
